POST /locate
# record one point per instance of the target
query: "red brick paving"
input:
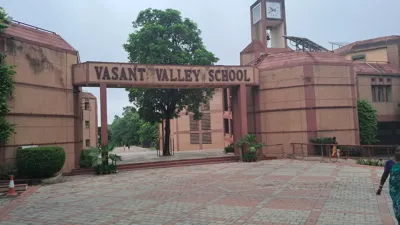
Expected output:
(207, 195)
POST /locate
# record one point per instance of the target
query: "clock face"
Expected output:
(274, 10)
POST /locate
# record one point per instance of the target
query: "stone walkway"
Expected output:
(268, 192)
(140, 155)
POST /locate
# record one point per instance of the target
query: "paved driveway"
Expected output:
(268, 192)
(140, 155)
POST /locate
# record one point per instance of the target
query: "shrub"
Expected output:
(86, 158)
(229, 149)
(371, 162)
(6, 170)
(40, 162)
(101, 165)
(250, 157)
(250, 140)
(321, 141)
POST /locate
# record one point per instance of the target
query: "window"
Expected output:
(381, 93)
(205, 107)
(206, 138)
(226, 126)
(232, 127)
(87, 105)
(87, 124)
(194, 126)
(194, 138)
(206, 121)
(256, 13)
(388, 90)
(87, 142)
(225, 93)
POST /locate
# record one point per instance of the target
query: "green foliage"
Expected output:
(164, 37)
(368, 122)
(250, 140)
(6, 170)
(250, 157)
(130, 129)
(40, 162)
(101, 158)
(371, 162)
(4, 20)
(86, 158)
(148, 132)
(322, 140)
(229, 149)
(124, 130)
(7, 86)
(105, 169)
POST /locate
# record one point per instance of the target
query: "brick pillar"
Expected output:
(78, 134)
(228, 93)
(235, 118)
(243, 110)
(103, 114)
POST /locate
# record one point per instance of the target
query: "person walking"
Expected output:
(334, 147)
(392, 170)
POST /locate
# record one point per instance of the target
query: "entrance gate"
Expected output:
(126, 75)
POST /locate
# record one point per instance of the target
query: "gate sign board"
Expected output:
(138, 75)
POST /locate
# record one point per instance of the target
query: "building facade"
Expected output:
(89, 116)
(205, 134)
(281, 95)
(46, 109)
(377, 65)
(367, 70)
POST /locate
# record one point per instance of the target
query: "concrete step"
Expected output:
(162, 164)
(18, 187)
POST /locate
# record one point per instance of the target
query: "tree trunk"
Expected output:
(166, 150)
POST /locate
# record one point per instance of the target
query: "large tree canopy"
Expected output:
(130, 129)
(164, 37)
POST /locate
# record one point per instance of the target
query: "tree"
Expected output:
(367, 122)
(131, 129)
(6, 85)
(164, 37)
(124, 130)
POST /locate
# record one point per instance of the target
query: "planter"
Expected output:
(105, 169)
(53, 180)
(250, 157)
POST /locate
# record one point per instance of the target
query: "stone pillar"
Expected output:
(78, 131)
(243, 110)
(103, 114)
(239, 114)
(235, 118)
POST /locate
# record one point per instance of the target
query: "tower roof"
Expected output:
(368, 44)
(88, 95)
(38, 36)
(291, 59)
(374, 68)
(253, 46)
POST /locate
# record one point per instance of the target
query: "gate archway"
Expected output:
(126, 75)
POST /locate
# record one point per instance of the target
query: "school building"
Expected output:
(286, 90)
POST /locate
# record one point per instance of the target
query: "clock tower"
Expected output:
(268, 23)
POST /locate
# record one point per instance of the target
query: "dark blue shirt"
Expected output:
(388, 165)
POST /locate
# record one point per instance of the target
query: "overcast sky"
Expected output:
(98, 28)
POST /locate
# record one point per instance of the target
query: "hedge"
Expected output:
(40, 162)
(86, 158)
